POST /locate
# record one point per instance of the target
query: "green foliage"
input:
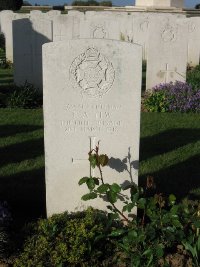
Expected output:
(10, 4)
(25, 97)
(5, 64)
(156, 102)
(76, 239)
(162, 225)
(106, 3)
(2, 41)
(91, 3)
(193, 77)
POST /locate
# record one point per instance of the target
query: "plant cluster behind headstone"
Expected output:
(10, 4)
(91, 3)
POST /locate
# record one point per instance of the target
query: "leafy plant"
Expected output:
(5, 64)
(26, 96)
(193, 77)
(173, 97)
(2, 42)
(76, 239)
(162, 223)
(11, 4)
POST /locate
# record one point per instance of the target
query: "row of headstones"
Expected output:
(169, 41)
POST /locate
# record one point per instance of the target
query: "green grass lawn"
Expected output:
(6, 77)
(170, 151)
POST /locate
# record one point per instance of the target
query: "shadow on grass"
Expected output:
(179, 179)
(167, 141)
(25, 193)
(6, 75)
(6, 81)
(22, 151)
(10, 130)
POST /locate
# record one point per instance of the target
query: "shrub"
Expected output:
(85, 3)
(2, 41)
(10, 4)
(5, 64)
(25, 97)
(106, 3)
(193, 77)
(173, 97)
(162, 227)
(75, 239)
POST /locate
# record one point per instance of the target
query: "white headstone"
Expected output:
(67, 27)
(193, 41)
(160, 3)
(7, 17)
(92, 91)
(29, 36)
(106, 25)
(167, 52)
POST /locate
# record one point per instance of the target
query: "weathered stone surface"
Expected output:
(92, 91)
(7, 17)
(160, 3)
(28, 37)
(193, 40)
(67, 27)
(167, 52)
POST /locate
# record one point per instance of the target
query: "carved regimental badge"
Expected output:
(169, 34)
(92, 73)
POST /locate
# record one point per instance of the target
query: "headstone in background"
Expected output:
(7, 17)
(29, 36)
(92, 91)
(167, 52)
(106, 25)
(193, 41)
(67, 27)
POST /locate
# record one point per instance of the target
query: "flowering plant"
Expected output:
(173, 97)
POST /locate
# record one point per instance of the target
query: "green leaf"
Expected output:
(177, 223)
(172, 199)
(83, 180)
(112, 197)
(93, 160)
(118, 232)
(132, 234)
(113, 216)
(141, 203)
(159, 251)
(115, 188)
(90, 183)
(103, 160)
(89, 196)
(103, 188)
(197, 224)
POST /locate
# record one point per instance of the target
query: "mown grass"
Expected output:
(6, 77)
(22, 181)
(170, 151)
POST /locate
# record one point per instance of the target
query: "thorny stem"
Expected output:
(101, 177)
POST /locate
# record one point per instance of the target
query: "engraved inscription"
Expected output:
(168, 34)
(99, 32)
(91, 119)
(92, 73)
(144, 25)
(191, 27)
